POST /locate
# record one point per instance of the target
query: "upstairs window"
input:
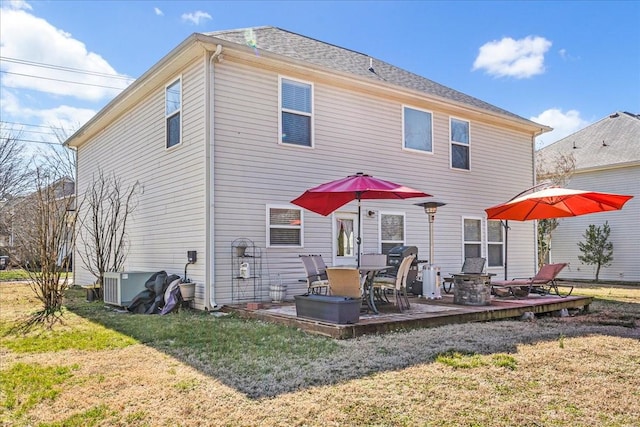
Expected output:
(173, 108)
(417, 130)
(392, 231)
(296, 103)
(284, 226)
(459, 144)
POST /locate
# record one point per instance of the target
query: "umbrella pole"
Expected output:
(506, 247)
(358, 240)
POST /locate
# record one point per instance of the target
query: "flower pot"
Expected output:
(188, 291)
(277, 292)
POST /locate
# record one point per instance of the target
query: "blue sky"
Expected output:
(563, 64)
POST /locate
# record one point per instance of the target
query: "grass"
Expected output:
(102, 368)
(13, 274)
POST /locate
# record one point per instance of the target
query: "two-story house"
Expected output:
(607, 159)
(229, 127)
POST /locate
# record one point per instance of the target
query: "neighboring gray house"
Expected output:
(231, 126)
(607, 156)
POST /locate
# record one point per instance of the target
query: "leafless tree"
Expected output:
(13, 164)
(42, 225)
(556, 171)
(105, 209)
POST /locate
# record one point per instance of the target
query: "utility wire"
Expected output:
(60, 80)
(62, 68)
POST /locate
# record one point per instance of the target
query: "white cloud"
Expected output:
(513, 58)
(158, 11)
(563, 124)
(26, 37)
(41, 121)
(196, 17)
(18, 4)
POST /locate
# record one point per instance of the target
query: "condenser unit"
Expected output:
(119, 288)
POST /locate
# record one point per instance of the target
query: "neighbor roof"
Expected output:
(611, 142)
(302, 48)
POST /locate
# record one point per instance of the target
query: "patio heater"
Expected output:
(431, 273)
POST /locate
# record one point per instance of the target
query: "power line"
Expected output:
(36, 142)
(62, 68)
(23, 124)
(60, 80)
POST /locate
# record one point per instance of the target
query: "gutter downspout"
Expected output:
(210, 290)
(535, 183)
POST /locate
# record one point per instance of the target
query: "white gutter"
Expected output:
(210, 289)
(535, 182)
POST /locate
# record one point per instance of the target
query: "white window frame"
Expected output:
(178, 111)
(480, 243)
(491, 243)
(270, 226)
(452, 143)
(404, 139)
(404, 228)
(281, 110)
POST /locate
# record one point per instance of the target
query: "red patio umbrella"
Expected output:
(330, 196)
(554, 202)
(557, 202)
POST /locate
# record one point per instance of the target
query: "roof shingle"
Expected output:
(302, 48)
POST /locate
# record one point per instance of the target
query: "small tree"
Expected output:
(557, 172)
(105, 209)
(42, 225)
(596, 249)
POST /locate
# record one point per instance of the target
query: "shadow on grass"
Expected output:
(262, 360)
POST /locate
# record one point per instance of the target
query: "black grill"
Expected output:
(395, 257)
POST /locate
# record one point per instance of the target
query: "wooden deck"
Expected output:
(422, 314)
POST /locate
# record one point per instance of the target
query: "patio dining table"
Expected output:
(370, 272)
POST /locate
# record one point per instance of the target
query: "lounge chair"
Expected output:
(471, 265)
(344, 281)
(398, 284)
(316, 270)
(543, 283)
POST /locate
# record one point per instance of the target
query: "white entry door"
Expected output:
(345, 232)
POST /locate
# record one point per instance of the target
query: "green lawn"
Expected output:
(104, 367)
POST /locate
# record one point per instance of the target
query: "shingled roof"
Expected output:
(611, 142)
(325, 55)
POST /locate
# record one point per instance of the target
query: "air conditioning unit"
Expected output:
(119, 288)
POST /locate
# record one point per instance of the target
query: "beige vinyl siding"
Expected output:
(624, 224)
(170, 216)
(354, 132)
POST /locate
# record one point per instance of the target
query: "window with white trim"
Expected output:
(392, 231)
(284, 226)
(495, 244)
(296, 112)
(459, 134)
(417, 130)
(173, 116)
(472, 237)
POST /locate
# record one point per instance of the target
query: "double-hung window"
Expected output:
(284, 226)
(472, 236)
(392, 231)
(495, 244)
(173, 109)
(296, 109)
(459, 134)
(417, 129)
